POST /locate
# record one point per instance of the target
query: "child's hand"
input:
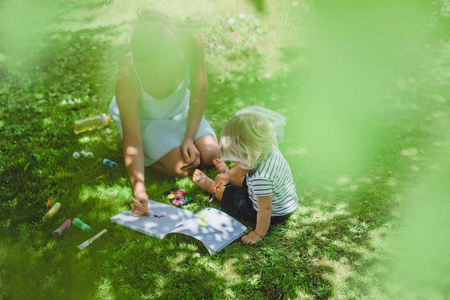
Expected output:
(221, 180)
(251, 238)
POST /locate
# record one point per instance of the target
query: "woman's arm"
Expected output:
(127, 96)
(262, 221)
(199, 94)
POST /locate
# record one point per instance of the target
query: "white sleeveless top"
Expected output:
(163, 122)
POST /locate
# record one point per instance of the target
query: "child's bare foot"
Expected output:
(203, 181)
(220, 165)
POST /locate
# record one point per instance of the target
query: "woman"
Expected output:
(161, 96)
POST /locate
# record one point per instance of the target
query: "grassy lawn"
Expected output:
(367, 138)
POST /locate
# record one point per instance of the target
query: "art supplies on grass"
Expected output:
(214, 228)
(88, 124)
(59, 231)
(109, 163)
(92, 239)
(53, 210)
(176, 196)
(78, 223)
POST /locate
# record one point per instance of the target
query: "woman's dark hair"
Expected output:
(145, 15)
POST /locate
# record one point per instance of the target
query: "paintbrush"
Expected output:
(215, 190)
(89, 241)
(212, 197)
(149, 211)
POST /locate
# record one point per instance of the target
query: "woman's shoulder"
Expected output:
(125, 65)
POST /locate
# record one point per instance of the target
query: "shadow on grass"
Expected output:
(122, 263)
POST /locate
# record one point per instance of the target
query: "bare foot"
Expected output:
(203, 181)
(220, 165)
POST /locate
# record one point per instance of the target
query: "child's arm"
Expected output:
(225, 178)
(262, 221)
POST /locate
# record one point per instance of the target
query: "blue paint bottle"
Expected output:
(109, 163)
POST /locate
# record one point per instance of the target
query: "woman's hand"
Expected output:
(137, 209)
(191, 154)
(251, 238)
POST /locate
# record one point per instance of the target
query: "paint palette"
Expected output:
(176, 196)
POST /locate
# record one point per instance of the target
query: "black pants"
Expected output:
(236, 202)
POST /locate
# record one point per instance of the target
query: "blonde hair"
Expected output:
(248, 139)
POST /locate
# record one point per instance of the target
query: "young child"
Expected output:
(260, 187)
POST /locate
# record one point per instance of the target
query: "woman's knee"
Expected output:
(177, 169)
(208, 157)
(172, 170)
(180, 173)
(172, 164)
(209, 149)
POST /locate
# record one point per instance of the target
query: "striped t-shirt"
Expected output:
(273, 177)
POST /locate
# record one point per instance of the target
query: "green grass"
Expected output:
(371, 175)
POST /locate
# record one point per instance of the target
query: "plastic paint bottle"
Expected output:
(77, 222)
(58, 232)
(53, 210)
(99, 121)
(109, 163)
